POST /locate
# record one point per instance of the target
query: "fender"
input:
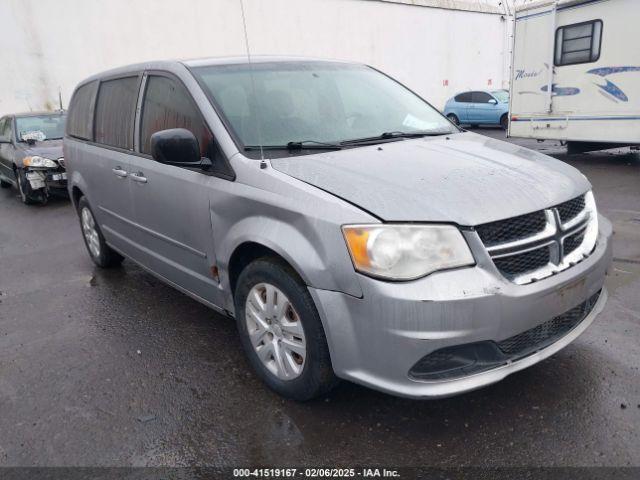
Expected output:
(318, 269)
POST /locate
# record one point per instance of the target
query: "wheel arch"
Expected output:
(250, 251)
(76, 194)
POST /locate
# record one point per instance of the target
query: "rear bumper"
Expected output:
(377, 339)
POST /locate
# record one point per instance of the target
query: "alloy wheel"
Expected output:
(90, 232)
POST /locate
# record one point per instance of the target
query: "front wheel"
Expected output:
(101, 254)
(281, 331)
(504, 122)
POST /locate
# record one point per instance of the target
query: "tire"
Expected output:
(101, 254)
(453, 118)
(27, 194)
(504, 122)
(5, 184)
(315, 375)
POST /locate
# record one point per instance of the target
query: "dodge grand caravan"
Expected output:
(351, 230)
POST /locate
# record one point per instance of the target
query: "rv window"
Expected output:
(578, 43)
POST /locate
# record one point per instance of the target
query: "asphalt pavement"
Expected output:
(115, 368)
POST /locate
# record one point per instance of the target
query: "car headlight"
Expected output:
(591, 232)
(406, 252)
(38, 162)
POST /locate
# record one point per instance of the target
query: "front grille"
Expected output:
(527, 247)
(503, 231)
(570, 210)
(572, 242)
(548, 332)
(523, 262)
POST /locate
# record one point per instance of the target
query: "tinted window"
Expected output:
(481, 97)
(464, 97)
(114, 112)
(578, 43)
(5, 129)
(80, 115)
(167, 104)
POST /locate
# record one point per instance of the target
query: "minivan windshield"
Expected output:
(315, 103)
(40, 127)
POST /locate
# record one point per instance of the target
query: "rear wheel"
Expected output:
(101, 254)
(281, 331)
(28, 195)
(454, 119)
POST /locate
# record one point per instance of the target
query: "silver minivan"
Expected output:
(350, 228)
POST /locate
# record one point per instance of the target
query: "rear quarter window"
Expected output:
(115, 112)
(80, 113)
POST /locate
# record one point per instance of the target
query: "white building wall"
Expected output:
(49, 46)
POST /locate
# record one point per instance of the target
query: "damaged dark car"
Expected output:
(31, 157)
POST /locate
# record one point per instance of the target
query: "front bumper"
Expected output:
(51, 178)
(376, 340)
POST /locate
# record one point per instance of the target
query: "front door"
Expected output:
(481, 111)
(172, 203)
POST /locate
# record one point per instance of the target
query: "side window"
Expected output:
(481, 97)
(166, 105)
(3, 135)
(114, 112)
(578, 43)
(80, 115)
(464, 97)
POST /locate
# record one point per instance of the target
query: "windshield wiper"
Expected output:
(393, 136)
(302, 145)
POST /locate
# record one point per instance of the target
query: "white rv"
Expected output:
(576, 73)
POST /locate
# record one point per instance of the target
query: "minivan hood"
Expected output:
(463, 178)
(48, 149)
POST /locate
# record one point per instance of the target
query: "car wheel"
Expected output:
(504, 122)
(454, 119)
(281, 331)
(27, 194)
(101, 254)
(5, 184)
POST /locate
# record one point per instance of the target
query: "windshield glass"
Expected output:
(51, 126)
(501, 95)
(318, 101)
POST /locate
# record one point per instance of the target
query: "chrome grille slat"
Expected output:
(543, 248)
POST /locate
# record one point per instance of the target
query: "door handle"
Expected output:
(118, 172)
(138, 177)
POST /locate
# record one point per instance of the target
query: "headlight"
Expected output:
(591, 232)
(406, 252)
(38, 162)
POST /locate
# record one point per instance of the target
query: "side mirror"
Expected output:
(493, 101)
(176, 146)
